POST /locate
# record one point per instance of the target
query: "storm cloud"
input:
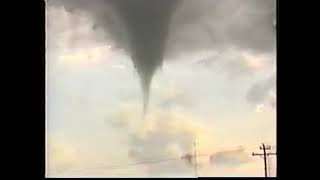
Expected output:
(151, 31)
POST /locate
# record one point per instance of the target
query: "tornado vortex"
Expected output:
(146, 23)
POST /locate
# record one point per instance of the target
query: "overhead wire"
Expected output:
(123, 166)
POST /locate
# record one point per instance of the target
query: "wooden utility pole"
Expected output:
(264, 155)
(195, 159)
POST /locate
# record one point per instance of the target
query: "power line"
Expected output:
(113, 167)
(229, 148)
(264, 155)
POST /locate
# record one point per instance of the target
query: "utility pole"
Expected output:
(195, 158)
(264, 155)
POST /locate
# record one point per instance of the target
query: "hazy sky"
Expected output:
(217, 84)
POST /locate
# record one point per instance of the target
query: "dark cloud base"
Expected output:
(151, 30)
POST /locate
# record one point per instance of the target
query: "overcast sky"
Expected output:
(217, 84)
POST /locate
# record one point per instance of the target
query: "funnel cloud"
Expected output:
(147, 29)
(151, 30)
(146, 26)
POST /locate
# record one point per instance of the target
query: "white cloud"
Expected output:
(263, 94)
(164, 134)
(60, 157)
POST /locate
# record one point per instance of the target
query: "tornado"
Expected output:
(143, 28)
(140, 27)
(147, 25)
